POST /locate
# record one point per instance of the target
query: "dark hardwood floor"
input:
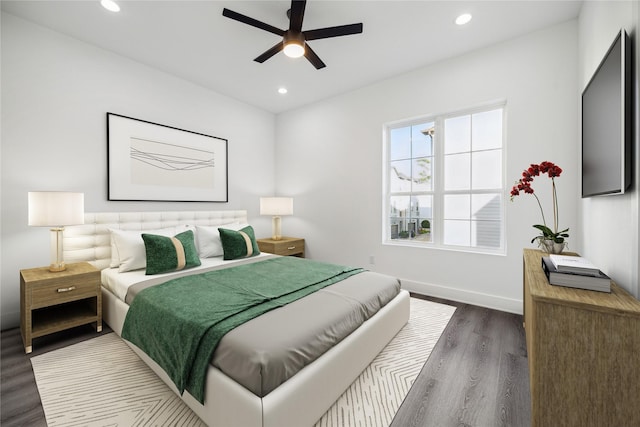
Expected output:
(477, 374)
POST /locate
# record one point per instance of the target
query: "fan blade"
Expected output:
(296, 15)
(269, 53)
(312, 57)
(253, 22)
(340, 30)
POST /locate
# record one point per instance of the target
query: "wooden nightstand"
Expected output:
(285, 246)
(51, 302)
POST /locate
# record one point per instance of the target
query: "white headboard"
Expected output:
(92, 242)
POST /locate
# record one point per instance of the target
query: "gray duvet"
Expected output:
(265, 352)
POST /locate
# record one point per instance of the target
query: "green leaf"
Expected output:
(546, 231)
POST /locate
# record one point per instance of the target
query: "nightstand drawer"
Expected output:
(59, 292)
(290, 247)
(287, 246)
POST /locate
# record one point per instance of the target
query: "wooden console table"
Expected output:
(584, 352)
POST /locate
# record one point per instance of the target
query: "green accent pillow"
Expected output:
(238, 244)
(165, 254)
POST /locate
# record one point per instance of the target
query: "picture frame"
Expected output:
(148, 161)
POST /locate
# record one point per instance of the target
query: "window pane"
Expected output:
(422, 177)
(486, 167)
(400, 176)
(457, 206)
(408, 215)
(486, 234)
(457, 172)
(457, 233)
(457, 134)
(400, 144)
(487, 130)
(422, 140)
(486, 206)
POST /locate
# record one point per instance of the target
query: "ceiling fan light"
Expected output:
(293, 49)
(293, 44)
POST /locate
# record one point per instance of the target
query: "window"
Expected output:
(444, 181)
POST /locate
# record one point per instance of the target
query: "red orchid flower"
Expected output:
(524, 185)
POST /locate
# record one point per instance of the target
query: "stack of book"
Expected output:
(575, 272)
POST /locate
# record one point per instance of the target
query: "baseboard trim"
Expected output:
(465, 296)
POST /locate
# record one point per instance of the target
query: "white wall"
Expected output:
(56, 92)
(329, 158)
(609, 225)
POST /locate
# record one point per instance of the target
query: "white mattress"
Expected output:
(119, 283)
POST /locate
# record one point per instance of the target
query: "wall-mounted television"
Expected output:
(606, 123)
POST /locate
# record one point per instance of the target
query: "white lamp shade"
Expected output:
(277, 206)
(55, 208)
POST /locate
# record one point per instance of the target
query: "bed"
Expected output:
(303, 397)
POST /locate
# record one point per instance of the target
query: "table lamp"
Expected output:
(56, 209)
(276, 206)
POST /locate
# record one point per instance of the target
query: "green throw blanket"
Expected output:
(180, 322)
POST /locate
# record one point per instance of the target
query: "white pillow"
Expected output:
(208, 239)
(127, 247)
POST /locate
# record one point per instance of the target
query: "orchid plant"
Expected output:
(524, 185)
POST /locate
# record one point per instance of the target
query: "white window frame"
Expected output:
(438, 192)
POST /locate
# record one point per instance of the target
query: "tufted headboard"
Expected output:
(92, 242)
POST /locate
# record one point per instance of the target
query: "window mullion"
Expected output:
(438, 188)
(471, 184)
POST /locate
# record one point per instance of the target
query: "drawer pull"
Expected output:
(291, 248)
(69, 289)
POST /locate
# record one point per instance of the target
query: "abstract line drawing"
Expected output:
(154, 162)
(196, 159)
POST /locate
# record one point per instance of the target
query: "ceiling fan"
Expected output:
(294, 40)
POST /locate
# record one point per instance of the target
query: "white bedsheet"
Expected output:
(119, 283)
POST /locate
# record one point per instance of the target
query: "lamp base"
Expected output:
(57, 260)
(276, 228)
(55, 268)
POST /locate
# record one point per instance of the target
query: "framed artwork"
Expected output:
(154, 162)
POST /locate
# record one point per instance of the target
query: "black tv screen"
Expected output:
(606, 123)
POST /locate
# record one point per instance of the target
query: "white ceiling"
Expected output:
(192, 40)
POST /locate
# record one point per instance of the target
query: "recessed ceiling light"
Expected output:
(282, 90)
(463, 19)
(110, 5)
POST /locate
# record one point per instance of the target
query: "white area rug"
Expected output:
(101, 382)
